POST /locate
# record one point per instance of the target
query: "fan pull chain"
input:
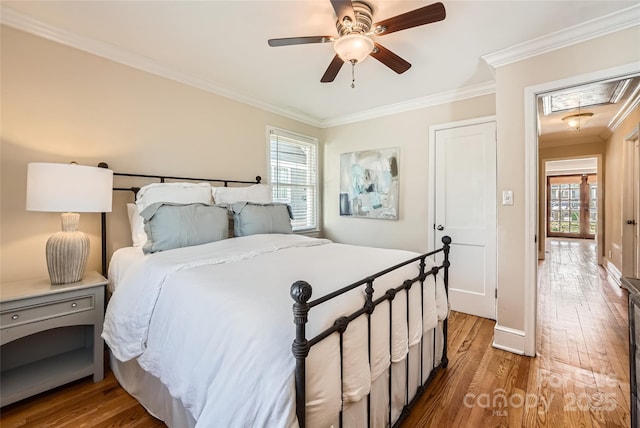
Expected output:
(353, 74)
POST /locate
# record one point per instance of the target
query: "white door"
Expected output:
(465, 210)
(631, 207)
(636, 208)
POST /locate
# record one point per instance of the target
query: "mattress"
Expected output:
(155, 396)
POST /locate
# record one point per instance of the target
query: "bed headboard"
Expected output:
(130, 183)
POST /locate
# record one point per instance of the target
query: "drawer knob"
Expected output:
(15, 317)
(74, 304)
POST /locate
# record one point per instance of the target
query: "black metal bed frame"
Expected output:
(161, 179)
(301, 292)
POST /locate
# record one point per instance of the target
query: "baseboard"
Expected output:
(509, 339)
(613, 272)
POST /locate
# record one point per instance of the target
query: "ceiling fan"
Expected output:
(355, 30)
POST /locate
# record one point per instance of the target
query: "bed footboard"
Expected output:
(301, 292)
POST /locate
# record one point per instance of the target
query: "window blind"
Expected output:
(293, 175)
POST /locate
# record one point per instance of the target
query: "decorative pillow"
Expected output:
(171, 226)
(251, 219)
(257, 193)
(138, 235)
(177, 193)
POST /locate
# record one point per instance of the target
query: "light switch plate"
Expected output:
(507, 197)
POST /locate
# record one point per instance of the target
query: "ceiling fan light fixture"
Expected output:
(353, 47)
(577, 121)
(356, 28)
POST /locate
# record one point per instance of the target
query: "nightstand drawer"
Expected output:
(28, 314)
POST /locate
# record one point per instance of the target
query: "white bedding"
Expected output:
(121, 260)
(214, 324)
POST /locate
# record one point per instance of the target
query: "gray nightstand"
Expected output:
(50, 335)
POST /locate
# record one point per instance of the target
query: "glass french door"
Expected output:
(572, 208)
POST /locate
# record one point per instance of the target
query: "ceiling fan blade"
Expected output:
(332, 70)
(425, 15)
(390, 59)
(287, 41)
(343, 8)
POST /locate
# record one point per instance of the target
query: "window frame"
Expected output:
(303, 140)
(561, 201)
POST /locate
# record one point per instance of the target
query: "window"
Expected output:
(572, 205)
(293, 175)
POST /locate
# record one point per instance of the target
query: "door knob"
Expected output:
(440, 227)
(633, 222)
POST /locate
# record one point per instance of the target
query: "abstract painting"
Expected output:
(369, 184)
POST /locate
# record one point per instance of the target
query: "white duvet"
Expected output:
(214, 323)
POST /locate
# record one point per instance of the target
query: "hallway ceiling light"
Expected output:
(577, 121)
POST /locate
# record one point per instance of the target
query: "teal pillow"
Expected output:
(252, 219)
(171, 226)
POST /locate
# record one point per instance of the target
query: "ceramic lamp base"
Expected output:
(67, 251)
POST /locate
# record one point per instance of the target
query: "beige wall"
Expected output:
(615, 159)
(511, 80)
(410, 132)
(60, 104)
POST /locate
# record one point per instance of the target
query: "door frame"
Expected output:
(628, 209)
(531, 186)
(585, 201)
(542, 237)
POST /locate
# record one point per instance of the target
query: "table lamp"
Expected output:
(68, 189)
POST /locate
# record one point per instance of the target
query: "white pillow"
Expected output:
(257, 193)
(138, 235)
(176, 193)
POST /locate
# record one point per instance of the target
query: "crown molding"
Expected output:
(111, 52)
(463, 93)
(27, 24)
(617, 21)
(621, 20)
(631, 104)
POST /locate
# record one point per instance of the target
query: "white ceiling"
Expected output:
(606, 115)
(222, 46)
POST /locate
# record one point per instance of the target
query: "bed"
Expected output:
(261, 326)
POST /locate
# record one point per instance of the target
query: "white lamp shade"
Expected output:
(60, 187)
(353, 47)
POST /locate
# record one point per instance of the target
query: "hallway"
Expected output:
(582, 336)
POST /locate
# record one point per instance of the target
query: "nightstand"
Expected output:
(50, 335)
(633, 286)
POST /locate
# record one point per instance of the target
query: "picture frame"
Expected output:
(369, 184)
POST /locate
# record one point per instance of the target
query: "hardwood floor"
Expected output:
(80, 404)
(580, 377)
